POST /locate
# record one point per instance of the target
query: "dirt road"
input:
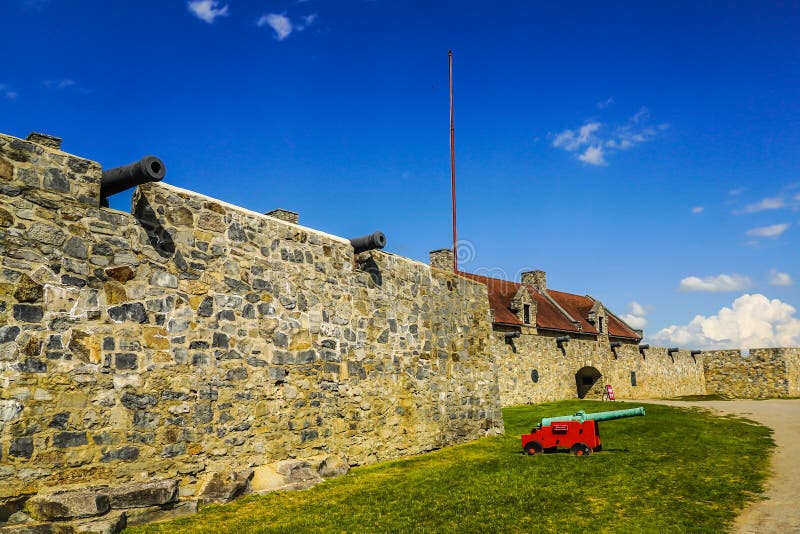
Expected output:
(780, 511)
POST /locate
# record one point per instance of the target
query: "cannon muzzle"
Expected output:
(368, 242)
(599, 416)
(118, 179)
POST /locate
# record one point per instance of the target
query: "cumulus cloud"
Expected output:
(777, 278)
(207, 10)
(283, 25)
(7, 92)
(753, 321)
(722, 282)
(635, 318)
(698, 209)
(594, 140)
(774, 230)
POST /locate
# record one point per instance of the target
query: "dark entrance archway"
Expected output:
(587, 380)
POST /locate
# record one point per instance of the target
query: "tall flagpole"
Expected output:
(453, 164)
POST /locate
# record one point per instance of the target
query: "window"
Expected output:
(633, 378)
(526, 314)
(601, 324)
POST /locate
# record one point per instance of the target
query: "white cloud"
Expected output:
(207, 10)
(605, 103)
(7, 92)
(642, 115)
(59, 84)
(722, 282)
(769, 203)
(698, 209)
(572, 140)
(595, 141)
(280, 24)
(636, 318)
(774, 230)
(777, 278)
(753, 321)
(308, 20)
(593, 155)
(737, 191)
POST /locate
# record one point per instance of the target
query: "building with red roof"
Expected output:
(530, 307)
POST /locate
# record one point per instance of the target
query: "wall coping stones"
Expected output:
(232, 207)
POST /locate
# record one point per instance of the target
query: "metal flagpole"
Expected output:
(453, 164)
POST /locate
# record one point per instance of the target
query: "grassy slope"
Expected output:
(673, 470)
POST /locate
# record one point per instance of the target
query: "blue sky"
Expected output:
(645, 153)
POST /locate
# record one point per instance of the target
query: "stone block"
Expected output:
(145, 494)
(224, 487)
(165, 512)
(67, 504)
(111, 523)
(10, 409)
(27, 290)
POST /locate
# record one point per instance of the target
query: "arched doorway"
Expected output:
(587, 380)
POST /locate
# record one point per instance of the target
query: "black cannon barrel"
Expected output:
(368, 242)
(118, 179)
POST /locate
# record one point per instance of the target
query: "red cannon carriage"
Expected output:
(580, 432)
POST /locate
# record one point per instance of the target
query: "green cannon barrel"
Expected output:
(599, 416)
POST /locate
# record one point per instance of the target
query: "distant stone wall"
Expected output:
(657, 373)
(762, 373)
(195, 337)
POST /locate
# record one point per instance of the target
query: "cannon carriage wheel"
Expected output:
(533, 447)
(580, 449)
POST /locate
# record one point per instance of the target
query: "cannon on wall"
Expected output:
(579, 432)
(375, 240)
(118, 179)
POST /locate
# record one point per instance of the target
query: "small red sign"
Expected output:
(609, 392)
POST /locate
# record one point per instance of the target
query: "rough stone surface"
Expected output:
(224, 487)
(145, 494)
(67, 504)
(298, 474)
(761, 373)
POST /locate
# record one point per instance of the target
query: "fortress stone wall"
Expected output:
(761, 373)
(193, 337)
(561, 372)
(190, 340)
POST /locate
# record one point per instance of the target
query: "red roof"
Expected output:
(548, 314)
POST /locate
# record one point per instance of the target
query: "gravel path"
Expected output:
(780, 511)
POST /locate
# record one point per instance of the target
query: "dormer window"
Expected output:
(526, 313)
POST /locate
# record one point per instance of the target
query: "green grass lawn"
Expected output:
(674, 470)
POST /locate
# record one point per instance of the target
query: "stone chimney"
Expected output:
(284, 215)
(442, 259)
(537, 279)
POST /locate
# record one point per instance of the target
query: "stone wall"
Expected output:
(657, 373)
(194, 337)
(762, 373)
